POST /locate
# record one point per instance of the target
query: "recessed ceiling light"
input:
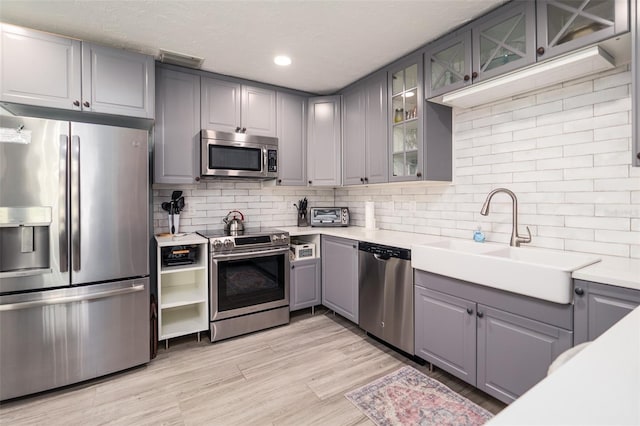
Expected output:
(282, 60)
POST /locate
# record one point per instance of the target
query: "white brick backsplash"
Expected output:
(565, 92)
(565, 163)
(538, 131)
(595, 97)
(597, 172)
(566, 139)
(567, 209)
(629, 184)
(566, 233)
(536, 110)
(564, 116)
(520, 166)
(618, 210)
(609, 223)
(614, 80)
(597, 197)
(616, 105)
(513, 146)
(537, 154)
(493, 139)
(566, 186)
(492, 159)
(611, 158)
(618, 145)
(624, 237)
(608, 249)
(614, 132)
(526, 123)
(537, 176)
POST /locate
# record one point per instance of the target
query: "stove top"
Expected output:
(252, 239)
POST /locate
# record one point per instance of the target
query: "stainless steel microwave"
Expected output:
(224, 154)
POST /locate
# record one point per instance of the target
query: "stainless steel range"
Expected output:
(248, 281)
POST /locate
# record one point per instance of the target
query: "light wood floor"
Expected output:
(291, 375)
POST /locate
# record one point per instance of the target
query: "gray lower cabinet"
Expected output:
(340, 276)
(324, 141)
(635, 83)
(498, 341)
(47, 70)
(292, 139)
(305, 284)
(177, 129)
(597, 307)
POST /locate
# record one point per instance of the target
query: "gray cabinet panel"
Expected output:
(292, 139)
(177, 130)
(39, 68)
(448, 64)
(324, 141)
(563, 26)
(438, 142)
(514, 353)
(220, 105)
(115, 81)
(445, 332)
(258, 111)
(340, 276)
(305, 284)
(598, 307)
(376, 150)
(354, 136)
(635, 83)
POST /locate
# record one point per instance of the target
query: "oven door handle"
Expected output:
(246, 255)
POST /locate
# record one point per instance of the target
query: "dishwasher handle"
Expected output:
(382, 256)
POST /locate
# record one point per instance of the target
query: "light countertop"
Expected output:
(617, 271)
(177, 239)
(598, 386)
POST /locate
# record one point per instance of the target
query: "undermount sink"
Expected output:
(539, 273)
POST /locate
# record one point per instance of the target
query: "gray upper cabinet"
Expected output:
(504, 40)
(635, 84)
(565, 25)
(40, 69)
(340, 276)
(324, 141)
(177, 129)
(233, 107)
(115, 81)
(292, 139)
(364, 120)
(46, 70)
(597, 307)
(406, 119)
(448, 64)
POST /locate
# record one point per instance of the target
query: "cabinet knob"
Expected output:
(579, 291)
(244, 130)
(197, 179)
(237, 129)
(480, 314)
(419, 174)
(354, 246)
(293, 266)
(470, 311)
(366, 179)
(309, 182)
(86, 104)
(474, 75)
(540, 50)
(638, 156)
(76, 103)
(279, 181)
(362, 180)
(466, 77)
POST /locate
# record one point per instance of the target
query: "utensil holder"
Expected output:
(175, 220)
(303, 219)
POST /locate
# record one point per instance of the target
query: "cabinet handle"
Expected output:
(480, 314)
(470, 311)
(474, 75)
(76, 103)
(540, 50)
(419, 174)
(86, 104)
(466, 77)
(579, 291)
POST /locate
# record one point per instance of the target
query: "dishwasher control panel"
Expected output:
(385, 251)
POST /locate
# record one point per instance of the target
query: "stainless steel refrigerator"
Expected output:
(74, 256)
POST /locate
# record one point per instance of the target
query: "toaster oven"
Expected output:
(329, 216)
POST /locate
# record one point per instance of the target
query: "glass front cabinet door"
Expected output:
(405, 115)
(565, 25)
(448, 64)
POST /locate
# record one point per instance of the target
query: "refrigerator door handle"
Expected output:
(75, 202)
(70, 299)
(63, 232)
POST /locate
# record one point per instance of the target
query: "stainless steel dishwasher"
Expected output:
(385, 282)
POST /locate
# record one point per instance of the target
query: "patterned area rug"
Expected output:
(408, 397)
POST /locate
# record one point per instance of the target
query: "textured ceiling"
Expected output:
(332, 43)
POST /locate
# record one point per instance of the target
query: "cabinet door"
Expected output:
(406, 117)
(376, 151)
(353, 136)
(597, 307)
(115, 81)
(39, 69)
(566, 25)
(504, 40)
(258, 111)
(292, 139)
(305, 284)
(177, 131)
(340, 276)
(448, 64)
(514, 353)
(445, 332)
(323, 141)
(220, 105)
(635, 83)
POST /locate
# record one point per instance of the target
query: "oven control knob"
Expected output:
(275, 238)
(284, 238)
(217, 245)
(228, 244)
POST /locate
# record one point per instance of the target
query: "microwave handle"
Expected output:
(265, 160)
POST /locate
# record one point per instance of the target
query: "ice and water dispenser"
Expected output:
(24, 241)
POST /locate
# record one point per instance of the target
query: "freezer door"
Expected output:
(57, 337)
(33, 203)
(109, 203)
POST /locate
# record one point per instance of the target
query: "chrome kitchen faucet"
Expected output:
(515, 238)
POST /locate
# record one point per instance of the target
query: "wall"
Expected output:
(263, 204)
(564, 150)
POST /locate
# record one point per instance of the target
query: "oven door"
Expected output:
(233, 158)
(243, 283)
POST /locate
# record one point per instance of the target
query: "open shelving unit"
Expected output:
(183, 291)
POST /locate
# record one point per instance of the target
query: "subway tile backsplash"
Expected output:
(564, 150)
